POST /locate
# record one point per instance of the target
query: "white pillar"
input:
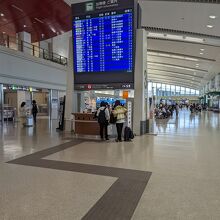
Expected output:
(140, 85)
(69, 89)
(1, 104)
(24, 42)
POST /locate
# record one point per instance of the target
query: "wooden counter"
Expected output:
(85, 124)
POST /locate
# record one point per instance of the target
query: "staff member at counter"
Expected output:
(103, 116)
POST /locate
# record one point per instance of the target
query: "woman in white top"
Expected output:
(120, 113)
(23, 112)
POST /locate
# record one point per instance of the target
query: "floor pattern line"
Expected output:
(120, 200)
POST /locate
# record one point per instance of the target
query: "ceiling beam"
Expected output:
(178, 73)
(175, 66)
(182, 41)
(179, 54)
(174, 79)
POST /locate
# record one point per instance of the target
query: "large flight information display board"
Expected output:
(103, 42)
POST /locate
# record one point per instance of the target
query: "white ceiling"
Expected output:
(182, 20)
(182, 16)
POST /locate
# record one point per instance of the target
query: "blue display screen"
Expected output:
(110, 101)
(103, 42)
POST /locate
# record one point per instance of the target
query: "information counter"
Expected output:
(85, 124)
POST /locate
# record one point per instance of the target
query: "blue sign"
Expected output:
(103, 42)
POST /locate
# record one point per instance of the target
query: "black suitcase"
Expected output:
(128, 134)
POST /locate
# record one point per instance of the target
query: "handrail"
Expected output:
(23, 46)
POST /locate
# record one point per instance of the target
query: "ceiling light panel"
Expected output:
(212, 16)
(209, 26)
(175, 37)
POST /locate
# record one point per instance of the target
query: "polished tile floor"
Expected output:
(184, 159)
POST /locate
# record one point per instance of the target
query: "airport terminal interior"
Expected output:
(110, 110)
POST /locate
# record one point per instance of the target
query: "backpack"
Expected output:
(113, 119)
(128, 134)
(101, 117)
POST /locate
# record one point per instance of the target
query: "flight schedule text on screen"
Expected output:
(103, 42)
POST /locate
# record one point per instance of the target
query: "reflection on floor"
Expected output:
(183, 159)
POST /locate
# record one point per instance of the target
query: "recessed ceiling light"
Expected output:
(201, 53)
(25, 25)
(42, 35)
(209, 26)
(202, 49)
(212, 16)
(2, 14)
(3, 32)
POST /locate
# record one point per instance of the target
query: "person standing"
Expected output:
(177, 110)
(120, 113)
(23, 112)
(103, 116)
(34, 110)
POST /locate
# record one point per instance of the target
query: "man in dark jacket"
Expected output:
(103, 116)
(34, 110)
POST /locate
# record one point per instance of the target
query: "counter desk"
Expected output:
(85, 124)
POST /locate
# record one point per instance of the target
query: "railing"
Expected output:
(32, 49)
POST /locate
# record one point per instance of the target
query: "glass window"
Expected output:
(172, 87)
(158, 85)
(168, 93)
(182, 90)
(177, 90)
(197, 92)
(187, 91)
(149, 86)
(193, 91)
(150, 89)
(158, 92)
(168, 88)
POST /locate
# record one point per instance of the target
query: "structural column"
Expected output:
(1, 104)
(69, 90)
(24, 42)
(140, 85)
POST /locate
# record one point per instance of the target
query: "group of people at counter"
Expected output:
(106, 115)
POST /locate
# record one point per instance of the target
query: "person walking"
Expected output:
(120, 114)
(103, 116)
(34, 110)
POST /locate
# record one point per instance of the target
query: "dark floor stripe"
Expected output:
(121, 199)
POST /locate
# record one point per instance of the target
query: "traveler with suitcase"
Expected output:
(103, 116)
(120, 113)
